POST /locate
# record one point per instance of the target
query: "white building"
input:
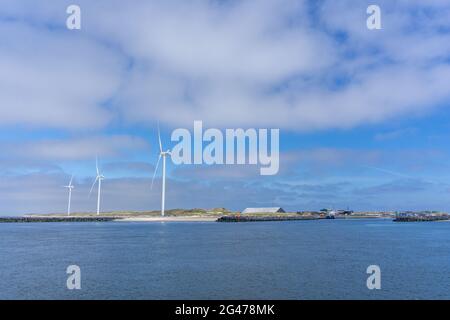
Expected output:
(264, 210)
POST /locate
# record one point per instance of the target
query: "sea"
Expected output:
(317, 259)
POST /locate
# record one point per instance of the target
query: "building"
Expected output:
(336, 212)
(264, 210)
(345, 212)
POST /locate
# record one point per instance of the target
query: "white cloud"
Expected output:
(54, 79)
(79, 148)
(246, 65)
(43, 193)
(253, 63)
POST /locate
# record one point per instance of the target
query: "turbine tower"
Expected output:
(98, 178)
(163, 155)
(69, 187)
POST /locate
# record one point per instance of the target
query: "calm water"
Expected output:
(268, 260)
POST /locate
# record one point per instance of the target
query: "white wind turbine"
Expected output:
(98, 178)
(69, 187)
(162, 154)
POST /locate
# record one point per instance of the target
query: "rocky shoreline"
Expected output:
(422, 219)
(55, 219)
(246, 218)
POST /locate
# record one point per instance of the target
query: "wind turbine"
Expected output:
(98, 178)
(70, 187)
(163, 155)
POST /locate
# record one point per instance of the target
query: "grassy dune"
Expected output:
(155, 213)
(216, 212)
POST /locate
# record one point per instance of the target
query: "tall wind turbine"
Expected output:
(69, 187)
(98, 178)
(163, 155)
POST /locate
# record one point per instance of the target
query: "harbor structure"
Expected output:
(410, 216)
(263, 210)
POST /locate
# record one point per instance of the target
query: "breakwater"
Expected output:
(241, 218)
(421, 218)
(55, 219)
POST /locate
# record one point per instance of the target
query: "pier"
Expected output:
(246, 218)
(420, 217)
(55, 219)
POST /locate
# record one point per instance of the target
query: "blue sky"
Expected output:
(363, 114)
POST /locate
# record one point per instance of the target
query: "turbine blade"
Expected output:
(95, 181)
(96, 164)
(156, 169)
(159, 139)
(70, 183)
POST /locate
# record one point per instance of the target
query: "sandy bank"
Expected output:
(170, 219)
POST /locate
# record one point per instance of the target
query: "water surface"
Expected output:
(324, 259)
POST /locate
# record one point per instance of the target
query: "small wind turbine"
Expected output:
(98, 178)
(162, 154)
(70, 187)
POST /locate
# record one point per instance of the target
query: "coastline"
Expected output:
(152, 218)
(191, 218)
(61, 218)
(169, 219)
(215, 215)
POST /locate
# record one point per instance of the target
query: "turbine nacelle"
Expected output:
(70, 185)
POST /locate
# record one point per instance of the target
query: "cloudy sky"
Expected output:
(363, 114)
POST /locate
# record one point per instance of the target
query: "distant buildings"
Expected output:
(263, 210)
(330, 212)
(324, 212)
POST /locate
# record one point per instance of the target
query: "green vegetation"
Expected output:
(155, 213)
